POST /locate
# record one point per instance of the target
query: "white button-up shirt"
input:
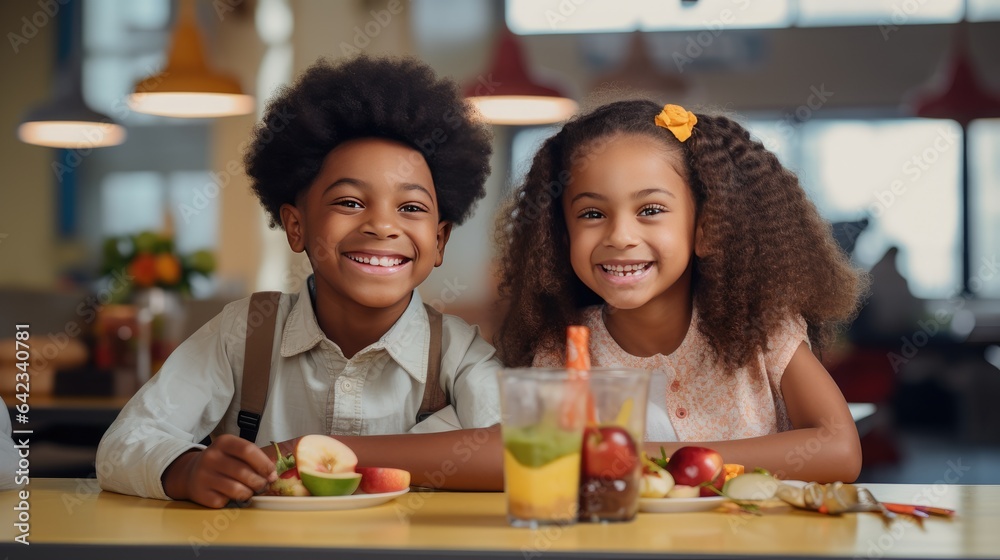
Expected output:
(314, 388)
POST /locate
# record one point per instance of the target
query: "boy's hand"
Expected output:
(231, 468)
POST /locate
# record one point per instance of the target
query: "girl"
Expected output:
(690, 251)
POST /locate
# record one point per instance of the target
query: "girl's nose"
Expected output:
(620, 235)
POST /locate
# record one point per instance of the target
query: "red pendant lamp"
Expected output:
(506, 94)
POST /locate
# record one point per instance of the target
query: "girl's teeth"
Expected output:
(625, 270)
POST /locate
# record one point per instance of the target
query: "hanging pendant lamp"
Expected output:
(187, 87)
(66, 121)
(639, 72)
(507, 95)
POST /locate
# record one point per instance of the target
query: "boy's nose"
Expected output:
(382, 225)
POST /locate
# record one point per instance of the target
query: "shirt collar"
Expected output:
(406, 341)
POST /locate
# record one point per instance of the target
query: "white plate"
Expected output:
(679, 505)
(324, 503)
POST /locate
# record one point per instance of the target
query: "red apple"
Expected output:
(695, 466)
(608, 452)
(375, 480)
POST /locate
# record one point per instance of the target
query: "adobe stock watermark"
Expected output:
(930, 494)
(696, 44)
(913, 169)
(902, 11)
(565, 10)
(30, 25)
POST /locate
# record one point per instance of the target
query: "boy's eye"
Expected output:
(349, 203)
(590, 214)
(412, 208)
(652, 210)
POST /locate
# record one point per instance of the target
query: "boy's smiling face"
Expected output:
(369, 223)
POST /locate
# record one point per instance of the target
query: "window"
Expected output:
(984, 202)
(903, 174)
(594, 16)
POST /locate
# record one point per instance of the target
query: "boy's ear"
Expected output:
(443, 233)
(291, 220)
(700, 245)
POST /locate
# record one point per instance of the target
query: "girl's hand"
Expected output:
(231, 468)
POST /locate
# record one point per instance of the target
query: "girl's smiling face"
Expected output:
(630, 216)
(369, 223)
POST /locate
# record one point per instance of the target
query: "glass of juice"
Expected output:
(611, 468)
(543, 413)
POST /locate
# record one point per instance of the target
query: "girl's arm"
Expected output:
(470, 459)
(824, 444)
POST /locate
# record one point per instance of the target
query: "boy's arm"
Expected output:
(469, 459)
(175, 409)
(824, 444)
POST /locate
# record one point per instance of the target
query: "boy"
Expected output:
(366, 165)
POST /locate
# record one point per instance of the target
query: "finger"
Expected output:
(209, 498)
(230, 488)
(254, 458)
(240, 471)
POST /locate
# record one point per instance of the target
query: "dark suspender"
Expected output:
(257, 364)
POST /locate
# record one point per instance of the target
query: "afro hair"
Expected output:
(399, 99)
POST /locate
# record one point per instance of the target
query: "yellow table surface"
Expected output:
(73, 513)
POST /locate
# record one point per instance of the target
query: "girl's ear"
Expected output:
(291, 220)
(443, 233)
(700, 245)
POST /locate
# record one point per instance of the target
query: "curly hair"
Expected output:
(398, 99)
(768, 253)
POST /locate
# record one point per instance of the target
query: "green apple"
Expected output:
(330, 484)
(326, 466)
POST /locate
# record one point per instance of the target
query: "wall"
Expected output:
(27, 191)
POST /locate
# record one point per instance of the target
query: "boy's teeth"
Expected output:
(378, 261)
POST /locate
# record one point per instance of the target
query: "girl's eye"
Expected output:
(411, 208)
(590, 214)
(652, 210)
(348, 203)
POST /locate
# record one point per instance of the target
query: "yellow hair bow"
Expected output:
(677, 120)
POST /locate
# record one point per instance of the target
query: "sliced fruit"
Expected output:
(656, 485)
(322, 454)
(683, 491)
(375, 480)
(751, 486)
(330, 484)
(288, 484)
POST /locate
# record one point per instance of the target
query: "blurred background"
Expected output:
(888, 110)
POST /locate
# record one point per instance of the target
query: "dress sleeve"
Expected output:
(172, 412)
(781, 346)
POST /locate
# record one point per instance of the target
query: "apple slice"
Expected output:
(326, 466)
(376, 480)
(323, 454)
(330, 484)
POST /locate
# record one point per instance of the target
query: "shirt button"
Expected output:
(675, 386)
(682, 412)
(346, 386)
